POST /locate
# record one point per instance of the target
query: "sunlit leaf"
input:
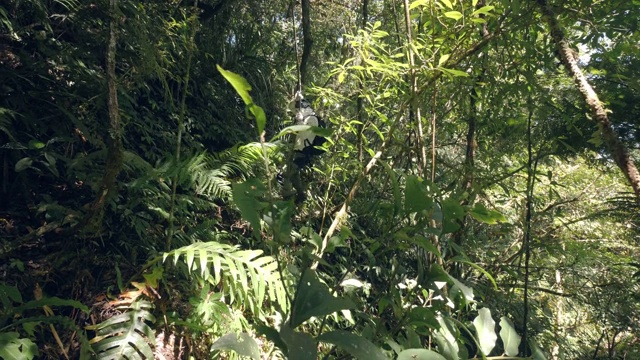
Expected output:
(447, 3)
(239, 83)
(443, 59)
(456, 15)
(486, 330)
(485, 10)
(417, 3)
(509, 336)
(242, 343)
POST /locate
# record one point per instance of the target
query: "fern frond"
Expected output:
(126, 336)
(246, 276)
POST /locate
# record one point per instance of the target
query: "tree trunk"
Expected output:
(599, 113)
(114, 137)
(307, 41)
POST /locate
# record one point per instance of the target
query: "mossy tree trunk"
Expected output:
(618, 150)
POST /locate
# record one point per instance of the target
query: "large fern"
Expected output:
(127, 335)
(245, 276)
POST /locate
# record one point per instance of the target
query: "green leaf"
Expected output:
(417, 3)
(51, 301)
(486, 330)
(467, 292)
(294, 129)
(242, 87)
(420, 354)
(509, 336)
(355, 345)
(14, 348)
(241, 343)
(456, 15)
(246, 195)
(452, 213)
(239, 83)
(416, 196)
(314, 299)
(481, 213)
(35, 144)
(443, 59)
(447, 3)
(446, 340)
(485, 10)
(300, 346)
(272, 335)
(454, 72)
(23, 164)
(423, 319)
(260, 116)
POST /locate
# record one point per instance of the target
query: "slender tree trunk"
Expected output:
(115, 151)
(307, 40)
(598, 112)
(359, 102)
(415, 108)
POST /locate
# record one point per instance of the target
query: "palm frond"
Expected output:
(126, 336)
(245, 276)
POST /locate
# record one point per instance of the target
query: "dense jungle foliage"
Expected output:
(476, 197)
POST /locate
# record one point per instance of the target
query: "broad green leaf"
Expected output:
(246, 195)
(474, 3)
(454, 72)
(416, 197)
(443, 59)
(466, 291)
(272, 335)
(420, 354)
(355, 345)
(536, 352)
(509, 336)
(241, 343)
(485, 10)
(300, 346)
(486, 330)
(12, 347)
(452, 213)
(314, 299)
(417, 3)
(447, 3)
(456, 15)
(35, 144)
(239, 83)
(446, 340)
(259, 115)
(242, 87)
(481, 213)
(23, 163)
(423, 319)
